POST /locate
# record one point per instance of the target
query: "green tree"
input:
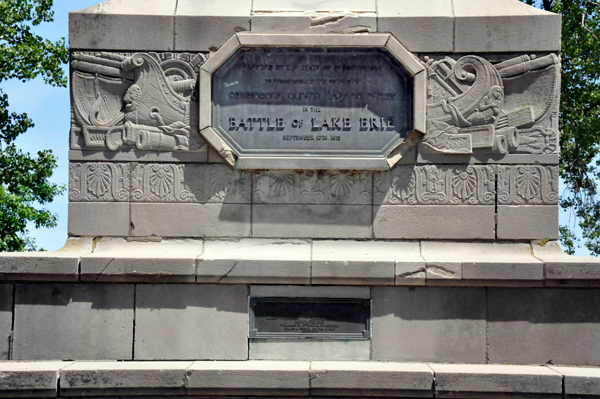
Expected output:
(579, 119)
(25, 185)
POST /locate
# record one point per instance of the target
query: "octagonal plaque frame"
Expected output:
(231, 153)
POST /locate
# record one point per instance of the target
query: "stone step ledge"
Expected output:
(281, 378)
(187, 25)
(297, 261)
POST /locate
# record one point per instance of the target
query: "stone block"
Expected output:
(134, 155)
(301, 40)
(6, 316)
(537, 326)
(527, 222)
(476, 381)
(115, 259)
(560, 266)
(420, 185)
(313, 187)
(98, 181)
(311, 221)
(61, 265)
(423, 26)
(359, 262)
(434, 222)
(82, 321)
(528, 185)
(30, 379)
(115, 24)
(314, 22)
(437, 324)
(281, 22)
(255, 261)
(315, 5)
(481, 261)
(123, 378)
(579, 381)
(309, 349)
(366, 379)
(477, 158)
(207, 25)
(504, 26)
(185, 322)
(249, 378)
(313, 291)
(98, 219)
(199, 183)
(190, 220)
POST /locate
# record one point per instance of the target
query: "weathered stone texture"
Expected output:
(429, 324)
(79, 322)
(543, 325)
(6, 313)
(309, 349)
(181, 322)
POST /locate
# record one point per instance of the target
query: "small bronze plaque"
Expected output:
(345, 318)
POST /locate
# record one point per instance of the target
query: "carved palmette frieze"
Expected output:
(154, 182)
(475, 105)
(528, 185)
(312, 187)
(98, 181)
(159, 183)
(143, 101)
(436, 185)
(207, 183)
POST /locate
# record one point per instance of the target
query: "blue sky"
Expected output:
(49, 108)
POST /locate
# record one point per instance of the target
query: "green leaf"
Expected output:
(25, 185)
(579, 119)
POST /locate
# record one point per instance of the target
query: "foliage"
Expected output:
(25, 179)
(579, 119)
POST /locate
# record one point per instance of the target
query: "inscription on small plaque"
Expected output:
(310, 317)
(300, 102)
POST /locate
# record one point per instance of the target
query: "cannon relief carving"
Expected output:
(143, 101)
(505, 107)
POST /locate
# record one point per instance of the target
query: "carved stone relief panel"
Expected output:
(99, 182)
(312, 187)
(141, 101)
(528, 185)
(496, 107)
(436, 185)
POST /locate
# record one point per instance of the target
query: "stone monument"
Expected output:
(308, 198)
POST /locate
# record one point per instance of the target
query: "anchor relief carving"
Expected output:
(143, 101)
(507, 107)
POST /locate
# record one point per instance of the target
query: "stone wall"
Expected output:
(487, 167)
(87, 321)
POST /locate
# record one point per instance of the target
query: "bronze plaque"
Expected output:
(343, 318)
